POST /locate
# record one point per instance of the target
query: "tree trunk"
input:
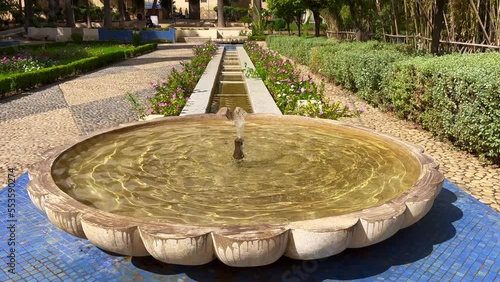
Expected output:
(298, 20)
(317, 22)
(394, 17)
(121, 10)
(28, 14)
(89, 23)
(357, 16)
(70, 15)
(154, 8)
(107, 14)
(452, 20)
(288, 28)
(379, 14)
(52, 12)
(221, 21)
(407, 33)
(438, 23)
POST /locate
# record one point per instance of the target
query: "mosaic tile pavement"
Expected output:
(458, 240)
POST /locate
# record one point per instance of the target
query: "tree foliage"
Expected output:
(473, 21)
(288, 10)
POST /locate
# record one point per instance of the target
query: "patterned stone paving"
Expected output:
(36, 121)
(31, 103)
(458, 240)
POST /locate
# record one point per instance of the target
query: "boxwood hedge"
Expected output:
(456, 97)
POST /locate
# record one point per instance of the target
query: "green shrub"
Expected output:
(77, 37)
(455, 97)
(257, 37)
(359, 67)
(172, 95)
(136, 39)
(295, 47)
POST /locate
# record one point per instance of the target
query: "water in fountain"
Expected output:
(183, 171)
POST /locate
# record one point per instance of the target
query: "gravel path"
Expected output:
(36, 121)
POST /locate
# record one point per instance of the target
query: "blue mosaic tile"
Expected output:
(457, 241)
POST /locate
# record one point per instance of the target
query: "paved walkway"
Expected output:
(44, 118)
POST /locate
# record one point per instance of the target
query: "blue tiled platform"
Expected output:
(457, 241)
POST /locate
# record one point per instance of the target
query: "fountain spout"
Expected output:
(238, 149)
(238, 115)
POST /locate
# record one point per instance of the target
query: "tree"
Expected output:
(121, 10)
(28, 13)
(438, 25)
(5, 6)
(52, 11)
(221, 22)
(70, 14)
(167, 5)
(316, 6)
(288, 10)
(107, 14)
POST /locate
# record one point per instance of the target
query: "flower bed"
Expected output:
(292, 93)
(15, 64)
(49, 62)
(172, 94)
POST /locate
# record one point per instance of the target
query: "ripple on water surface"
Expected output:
(184, 172)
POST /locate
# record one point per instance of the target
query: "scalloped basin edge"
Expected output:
(238, 246)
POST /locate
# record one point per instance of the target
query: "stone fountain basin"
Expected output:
(239, 246)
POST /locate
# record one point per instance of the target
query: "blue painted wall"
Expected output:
(148, 35)
(126, 35)
(115, 34)
(9, 43)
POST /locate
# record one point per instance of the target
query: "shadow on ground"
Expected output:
(176, 46)
(407, 246)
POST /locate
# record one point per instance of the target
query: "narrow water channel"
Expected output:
(231, 90)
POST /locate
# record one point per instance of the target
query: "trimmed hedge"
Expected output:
(358, 69)
(27, 80)
(456, 97)
(257, 37)
(297, 48)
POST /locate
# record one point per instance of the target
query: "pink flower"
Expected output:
(362, 109)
